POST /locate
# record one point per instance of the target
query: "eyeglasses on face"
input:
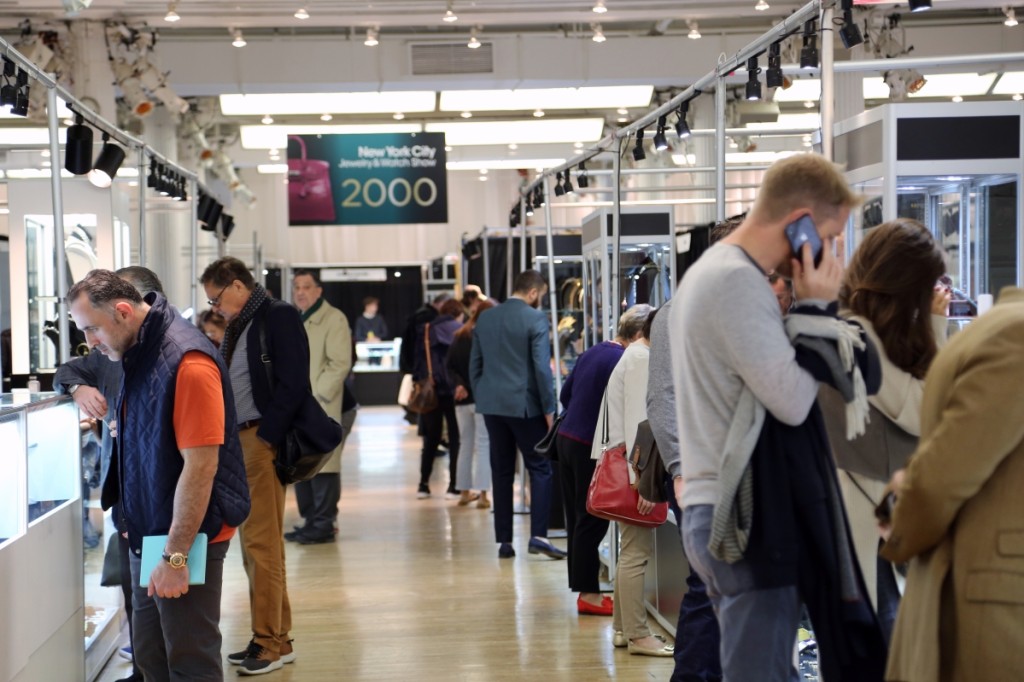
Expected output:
(214, 302)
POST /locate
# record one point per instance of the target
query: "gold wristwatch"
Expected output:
(176, 559)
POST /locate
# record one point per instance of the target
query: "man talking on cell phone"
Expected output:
(732, 356)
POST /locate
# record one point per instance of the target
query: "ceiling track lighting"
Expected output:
(762, 5)
(110, 159)
(78, 147)
(227, 225)
(599, 7)
(660, 139)
(209, 212)
(753, 90)
(172, 13)
(849, 32)
(1011, 17)
(301, 13)
(449, 14)
(920, 5)
(809, 51)
(372, 37)
(237, 39)
(682, 128)
(638, 150)
(559, 190)
(474, 40)
(8, 92)
(582, 179)
(694, 33)
(598, 33)
(20, 106)
(529, 206)
(773, 77)
(538, 113)
(567, 187)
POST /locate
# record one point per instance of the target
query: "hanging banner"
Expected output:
(380, 179)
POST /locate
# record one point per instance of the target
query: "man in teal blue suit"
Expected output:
(510, 371)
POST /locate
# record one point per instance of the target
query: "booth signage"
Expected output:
(380, 179)
(353, 275)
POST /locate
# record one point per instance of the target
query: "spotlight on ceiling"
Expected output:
(694, 33)
(227, 225)
(773, 77)
(582, 179)
(21, 99)
(849, 32)
(172, 13)
(237, 39)
(301, 13)
(903, 82)
(110, 159)
(762, 6)
(474, 40)
(638, 151)
(809, 51)
(660, 139)
(209, 211)
(325, 117)
(371, 37)
(538, 196)
(753, 91)
(267, 119)
(567, 187)
(559, 190)
(920, 5)
(682, 129)
(529, 206)
(9, 92)
(78, 148)
(1011, 17)
(449, 14)
(599, 7)
(598, 33)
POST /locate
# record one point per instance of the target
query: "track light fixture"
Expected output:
(110, 159)
(237, 39)
(301, 13)
(1011, 17)
(638, 151)
(538, 196)
(920, 5)
(209, 211)
(753, 84)
(849, 32)
(694, 33)
(529, 207)
(474, 40)
(20, 107)
(372, 37)
(809, 51)
(227, 225)
(599, 7)
(598, 33)
(582, 179)
(773, 77)
(8, 92)
(559, 190)
(762, 5)
(172, 14)
(660, 139)
(449, 14)
(78, 147)
(567, 187)
(682, 129)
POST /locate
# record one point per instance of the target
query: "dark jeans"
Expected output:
(506, 433)
(432, 425)
(697, 636)
(126, 590)
(584, 531)
(178, 640)
(317, 500)
(888, 599)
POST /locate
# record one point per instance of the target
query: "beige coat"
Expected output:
(960, 514)
(330, 360)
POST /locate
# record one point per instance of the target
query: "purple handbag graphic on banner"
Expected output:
(310, 199)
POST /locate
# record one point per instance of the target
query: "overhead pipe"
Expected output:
(58, 229)
(552, 295)
(828, 84)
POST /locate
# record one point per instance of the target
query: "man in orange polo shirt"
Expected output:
(176, 469)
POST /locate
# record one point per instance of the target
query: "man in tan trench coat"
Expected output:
(959, 516)
(330, 360)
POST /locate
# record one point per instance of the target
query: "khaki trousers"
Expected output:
(630, 614)
(262, 537)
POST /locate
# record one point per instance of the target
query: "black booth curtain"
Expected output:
(497, 248)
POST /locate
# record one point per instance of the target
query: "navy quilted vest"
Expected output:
(150, 462)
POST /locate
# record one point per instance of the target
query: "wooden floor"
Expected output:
(413, 589)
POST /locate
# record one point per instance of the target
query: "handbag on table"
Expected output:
(424, 395)
(611, 496)
(310, 198)
(310, 441)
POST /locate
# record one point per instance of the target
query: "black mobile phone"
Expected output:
(883, 512)
(802, 231)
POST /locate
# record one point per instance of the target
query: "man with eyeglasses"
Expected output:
(259, 325)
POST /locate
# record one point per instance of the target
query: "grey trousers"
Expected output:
(178, 640)
(318, 498)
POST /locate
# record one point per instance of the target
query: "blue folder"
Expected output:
(153, 553)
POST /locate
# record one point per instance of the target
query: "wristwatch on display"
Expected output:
(176, 559)
(72, 388)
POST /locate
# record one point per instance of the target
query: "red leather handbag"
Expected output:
(310, 198)
(611, 496)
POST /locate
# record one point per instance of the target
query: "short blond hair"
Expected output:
(803, 181)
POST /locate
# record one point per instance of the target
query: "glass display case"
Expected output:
(572, 316)
(13, 505)
(376, 378)
(646, 264)
(377, 356)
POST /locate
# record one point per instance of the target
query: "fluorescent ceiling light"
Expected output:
(26, 137)
(503, 164)
(34, 173)
(790, 121)
(547, 98)
(276, 136)
(272, 168)
(938, 85)
(802, 90)
(737, 158)
(1011, 83)
(317, 103)
(536, 131)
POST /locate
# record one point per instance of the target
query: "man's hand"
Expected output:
(167, 582)
(644, 506)
(90, 401)
(461, 393)
(940, 302)
(819, 283)
(679, 485)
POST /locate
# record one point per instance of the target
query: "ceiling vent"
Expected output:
(448, 59)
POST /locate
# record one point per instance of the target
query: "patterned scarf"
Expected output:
(237, 325)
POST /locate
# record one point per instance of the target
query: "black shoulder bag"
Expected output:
(313, 436)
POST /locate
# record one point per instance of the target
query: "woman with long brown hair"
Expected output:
(890, 288)
(473, 471)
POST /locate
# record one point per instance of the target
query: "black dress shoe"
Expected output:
(505, 551)
(294, 535)
(315, 537)
(542, 546)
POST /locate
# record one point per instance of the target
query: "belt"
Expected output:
(249, 424)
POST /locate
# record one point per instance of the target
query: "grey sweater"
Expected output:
(661, 400)
(727, 334)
